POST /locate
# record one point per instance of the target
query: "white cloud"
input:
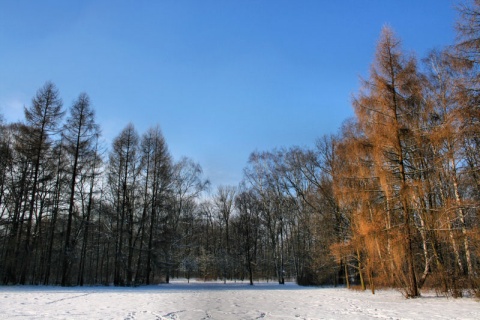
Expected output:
(12, 108)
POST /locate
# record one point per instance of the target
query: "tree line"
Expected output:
(391, 200)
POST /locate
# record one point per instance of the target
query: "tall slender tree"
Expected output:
(157, 187)
(123, 173)
(387, 108)
(42, 120)
(79, 135)
(224, 202)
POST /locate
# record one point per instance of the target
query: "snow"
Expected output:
(198, 300)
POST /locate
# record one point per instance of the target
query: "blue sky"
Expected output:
(222, 78)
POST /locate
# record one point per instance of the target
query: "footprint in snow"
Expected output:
(173, 315)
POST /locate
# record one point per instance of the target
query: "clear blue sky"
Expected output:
(222, 78)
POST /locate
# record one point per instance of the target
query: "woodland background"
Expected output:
(391, 200)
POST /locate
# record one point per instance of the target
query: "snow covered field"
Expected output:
(199, 300)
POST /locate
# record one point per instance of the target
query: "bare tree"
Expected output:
(187, 185)
(224, 204)
(123, 174)
(157, 187)
(79, 134)
(42, 120)
(247, 226)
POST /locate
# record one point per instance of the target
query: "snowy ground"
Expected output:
(225, 301)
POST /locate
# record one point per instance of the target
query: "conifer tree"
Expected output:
(387, 109)
(42, 120)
